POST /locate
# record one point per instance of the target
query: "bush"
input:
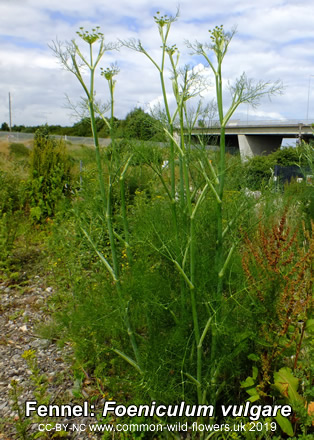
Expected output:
(50, 174)
(286, 156)
(258, 171)
(12, 197)
(140, 125)
(11, 192)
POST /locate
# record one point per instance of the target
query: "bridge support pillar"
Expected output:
(253, 145)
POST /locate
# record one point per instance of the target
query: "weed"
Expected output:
(21, 422)
(19, 150)
(39, 381)
(50, 175)
(278, 272)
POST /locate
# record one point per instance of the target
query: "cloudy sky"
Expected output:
(274, 40)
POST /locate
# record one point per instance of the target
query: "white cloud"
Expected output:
(274, 40)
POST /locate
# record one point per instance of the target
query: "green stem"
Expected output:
(219, 217)
(97, 153)
(172, 155)
(125, 219)
(191, 216)
(219, 251)
(106, 198)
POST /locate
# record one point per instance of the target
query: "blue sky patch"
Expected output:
(59, 16)
(130, 23)
(21, 42)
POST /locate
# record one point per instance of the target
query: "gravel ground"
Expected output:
(21, 309)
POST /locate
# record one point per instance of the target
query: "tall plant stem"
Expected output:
(191, 216)
(221, 177)
(219, 190)
(172, 167)
(105, 191)
(219, 239)
(109, 222)
(172, 154)
(106, 199)
(164, 29)
(97, 154)
(109, 75)
(170, 123)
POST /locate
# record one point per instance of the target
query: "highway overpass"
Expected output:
(258, 137)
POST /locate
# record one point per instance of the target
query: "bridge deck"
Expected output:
(274, 128)
(258, 137)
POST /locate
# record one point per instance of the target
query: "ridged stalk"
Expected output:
(105, 191)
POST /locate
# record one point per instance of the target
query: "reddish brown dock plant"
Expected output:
(278, 263)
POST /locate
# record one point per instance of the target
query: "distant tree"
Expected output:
(142, 126)
(82, 128)
(23, 129)
(5, 127)
(58, 130)
(16, 128)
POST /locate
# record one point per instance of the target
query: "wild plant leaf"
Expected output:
(249, 384)
(261, 341)
(284, 424)
(255, 372)
(254, 397)
(287, 384)
(283, 341)
(309, 327)
(253, 357)
(128, 359)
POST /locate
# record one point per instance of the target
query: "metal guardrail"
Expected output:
(15, 136)
(23, 137)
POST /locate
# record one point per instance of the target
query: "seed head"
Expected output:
(90, 37)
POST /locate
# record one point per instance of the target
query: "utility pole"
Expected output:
(308, 97)
(10, 112)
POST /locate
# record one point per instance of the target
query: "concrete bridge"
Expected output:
(258, 137)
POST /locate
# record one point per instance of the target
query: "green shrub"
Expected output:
(50, 174)
(258, 171)
(140, 125)
(11, 192)
(286, 156)
(12, 198)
